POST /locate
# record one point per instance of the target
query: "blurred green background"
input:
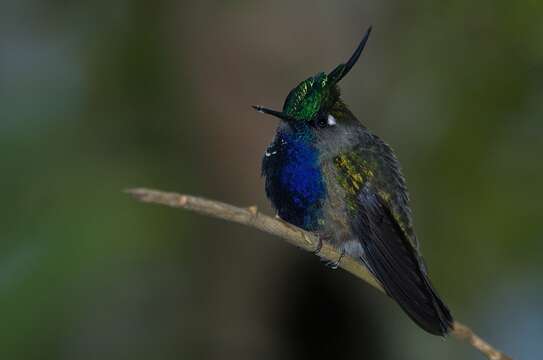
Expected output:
(105, 95)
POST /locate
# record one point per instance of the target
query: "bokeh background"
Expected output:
(104, 95)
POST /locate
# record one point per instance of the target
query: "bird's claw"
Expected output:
(319, 246)
(320, 239)
(334, 264)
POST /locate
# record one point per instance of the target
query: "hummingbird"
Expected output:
(327, 173)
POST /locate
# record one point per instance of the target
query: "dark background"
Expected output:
(104, 95)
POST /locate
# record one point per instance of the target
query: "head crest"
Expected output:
(342, 69)
(305, 100)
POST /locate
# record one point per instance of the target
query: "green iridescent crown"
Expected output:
(305, 100)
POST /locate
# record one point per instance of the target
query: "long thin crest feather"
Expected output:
(342, 69)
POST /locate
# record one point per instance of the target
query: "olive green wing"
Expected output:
(377, 166)
(382, 231)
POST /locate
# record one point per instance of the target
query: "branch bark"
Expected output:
(293, 235)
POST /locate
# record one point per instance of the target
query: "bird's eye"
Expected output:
(325, 121)
(321, 122)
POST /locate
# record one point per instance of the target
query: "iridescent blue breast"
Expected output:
(294, 181)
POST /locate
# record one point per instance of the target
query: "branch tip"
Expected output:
(137, 193)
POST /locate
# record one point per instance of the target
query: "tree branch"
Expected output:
(295, 236)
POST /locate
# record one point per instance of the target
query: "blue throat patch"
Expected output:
(296, 182)
(301, 175)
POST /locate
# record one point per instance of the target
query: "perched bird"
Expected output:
(327, 173)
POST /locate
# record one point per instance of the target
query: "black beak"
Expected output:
(277, 114)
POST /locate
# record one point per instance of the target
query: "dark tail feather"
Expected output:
(406, 282)
(399, 268)
(420, 302)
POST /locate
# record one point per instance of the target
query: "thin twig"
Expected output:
(295, 236)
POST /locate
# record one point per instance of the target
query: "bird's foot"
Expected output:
(319, 246)
(335, 264)
(320, 239)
